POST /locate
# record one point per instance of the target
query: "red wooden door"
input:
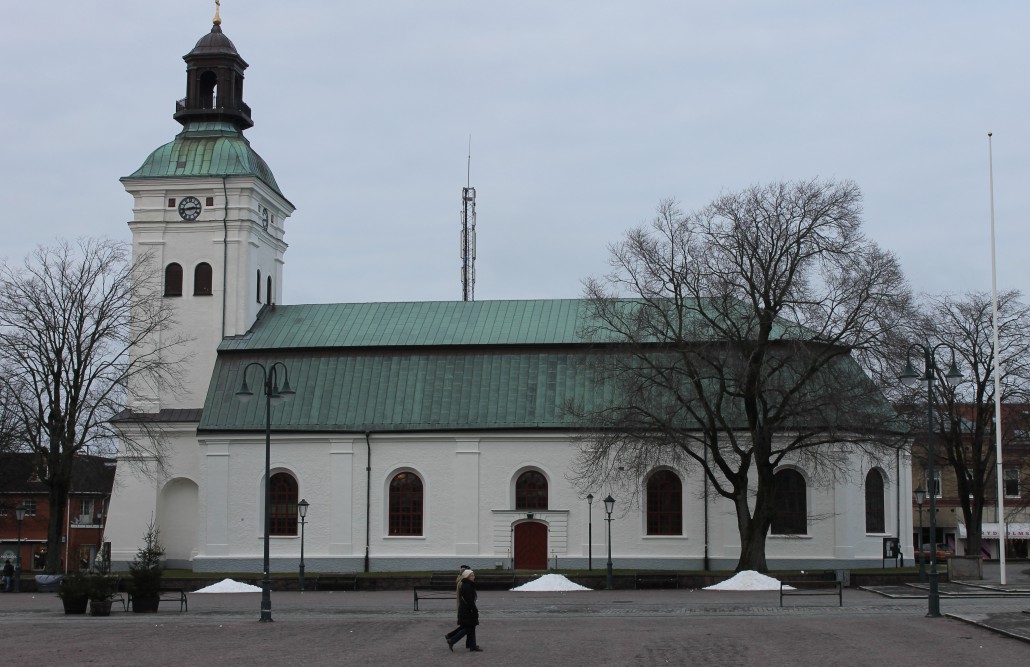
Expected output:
(531, 546)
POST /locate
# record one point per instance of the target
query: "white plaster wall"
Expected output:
(469, 503)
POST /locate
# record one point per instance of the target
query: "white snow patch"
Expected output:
(748, 580)
(551, 582)
(229, 586)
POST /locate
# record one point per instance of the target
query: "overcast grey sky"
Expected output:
(583, 116)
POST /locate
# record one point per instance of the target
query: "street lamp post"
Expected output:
(609, 505)
(302, 507)
(910, 377)
(19, 511)
(274, 393)
(590, 531)
(920, 497)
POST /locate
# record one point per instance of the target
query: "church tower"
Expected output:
(210, 214)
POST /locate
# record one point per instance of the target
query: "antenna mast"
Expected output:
(468, 234)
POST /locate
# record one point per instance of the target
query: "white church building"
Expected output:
(422, 434)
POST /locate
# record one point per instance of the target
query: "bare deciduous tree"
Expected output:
(965, 425)
(739, 327)
(79, 325)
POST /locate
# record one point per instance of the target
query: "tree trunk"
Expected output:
(58, 496)
(753, 531)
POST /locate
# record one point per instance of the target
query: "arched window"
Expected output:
(284, 504)
(268, 290)
(531, 491)
(202, 279)
(173, 280)
(664, 504)
(259, 286)
(874, 510)
(406, 504)
(790, 506)
(208, 90)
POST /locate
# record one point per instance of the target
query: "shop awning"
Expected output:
(1014, 531)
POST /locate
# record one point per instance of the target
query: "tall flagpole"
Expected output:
(1002, 529)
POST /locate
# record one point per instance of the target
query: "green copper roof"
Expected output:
(424, 366)
(407, 391)
(205, 149)
(425, 323)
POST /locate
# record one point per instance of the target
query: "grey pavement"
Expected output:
(660, 627)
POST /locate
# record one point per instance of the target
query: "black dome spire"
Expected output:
(214, 82)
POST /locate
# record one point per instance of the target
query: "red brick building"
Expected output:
(83, 530)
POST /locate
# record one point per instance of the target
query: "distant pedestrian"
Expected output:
(8, 578)
(457, 583)
(468, 613)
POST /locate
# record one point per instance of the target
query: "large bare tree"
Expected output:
(79, 325)
(965, 424)
(739, 329)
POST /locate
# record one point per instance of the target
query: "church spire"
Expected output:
(214, 81)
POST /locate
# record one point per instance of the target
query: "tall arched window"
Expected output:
(875, 521)
(173, 280)
(259, 286)
(208, 90)
(790, 505)
(268, 290)
(531, 491)
(405, 504)
(202, 279)
(284, 504)
(664, 504)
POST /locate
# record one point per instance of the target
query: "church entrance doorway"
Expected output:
(531, 546)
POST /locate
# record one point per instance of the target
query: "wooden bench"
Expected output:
(812, 588)
(657, 580)
(171, 594)
(334, 582)
(444, 585)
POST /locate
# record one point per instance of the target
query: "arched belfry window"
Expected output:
(284, 504)
(790, 504)
(405, 504)
(664, 504)
(531, 491)
(173, 280)
(259, 286)
(268, 290)
(875, 519)
(208, 90)
(202, 279)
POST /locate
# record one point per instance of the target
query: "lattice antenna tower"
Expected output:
(468, 234)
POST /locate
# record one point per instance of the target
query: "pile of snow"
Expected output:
(551, 582)
(229, 586)
(748, 580)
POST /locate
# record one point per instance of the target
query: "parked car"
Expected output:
(944, 552)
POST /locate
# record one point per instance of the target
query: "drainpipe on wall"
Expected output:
(897, 492)
(225, 250)
(368, 498)
(706, 563)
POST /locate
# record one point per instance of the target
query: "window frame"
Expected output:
(203, 285)
(879, 497)
(405, 505)
(786, 520)
(173, 283)
(532, 497)
(663, 515)
(1005, 470)
(284, 492)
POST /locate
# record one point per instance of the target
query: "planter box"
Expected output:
(75, 605)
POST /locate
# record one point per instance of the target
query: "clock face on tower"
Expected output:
(189, 208)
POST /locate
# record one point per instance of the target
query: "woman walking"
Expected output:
(468, 613)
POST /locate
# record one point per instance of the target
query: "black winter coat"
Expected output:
(468, 613)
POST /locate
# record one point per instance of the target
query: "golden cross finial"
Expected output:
(218, 19)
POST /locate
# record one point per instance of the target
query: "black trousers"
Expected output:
(466, 631)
